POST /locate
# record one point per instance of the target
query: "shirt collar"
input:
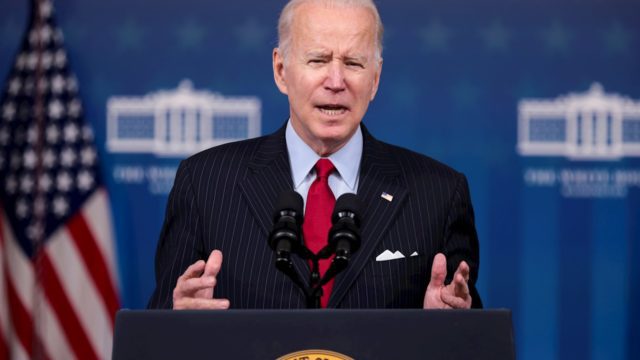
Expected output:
(303, 158)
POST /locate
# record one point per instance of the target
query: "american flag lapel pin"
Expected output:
(387, 197)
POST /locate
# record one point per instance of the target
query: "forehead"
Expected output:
(320, 26)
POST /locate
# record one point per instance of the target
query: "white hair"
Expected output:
(286, 19)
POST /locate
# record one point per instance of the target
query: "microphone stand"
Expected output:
(337, 266)
(313, 293)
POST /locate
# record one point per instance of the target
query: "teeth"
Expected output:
(333, 112)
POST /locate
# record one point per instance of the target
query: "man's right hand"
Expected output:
(194, 289)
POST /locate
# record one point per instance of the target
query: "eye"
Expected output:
(354, 64)
(317, 61)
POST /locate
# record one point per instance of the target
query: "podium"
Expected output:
(314, 334)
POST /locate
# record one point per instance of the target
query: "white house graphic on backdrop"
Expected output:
(592, 125)
(179, 122)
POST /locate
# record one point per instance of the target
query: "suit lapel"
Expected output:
(379, 173)
(269, 175)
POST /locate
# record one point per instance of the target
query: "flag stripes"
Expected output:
(67, 313)
(58, 279)
(94, 263)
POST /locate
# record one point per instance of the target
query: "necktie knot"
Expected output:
(324, 168)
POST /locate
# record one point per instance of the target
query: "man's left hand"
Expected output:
(452, 296)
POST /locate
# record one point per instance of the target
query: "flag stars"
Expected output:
(42, 35)
(57, 84)
(39, 206)
(21, 62)
(45, 183)
(35, 231)
(85, 180)
(74, 108)
(64, 181)
(32, 60)
(53, 134)
(58, 37)
(60, 206)
(22, 208)
(47, 60)
(14, 86)
(27, 87)
(46, 8)
(49, 158)
(60, 59)
(72, 84)
(30, 159)
(8, 111)
(32, 135)
(67, 157)
(26, 183)
(87, 133)
(56, 109)
(71, 133)
(46, 33)
(88, 156)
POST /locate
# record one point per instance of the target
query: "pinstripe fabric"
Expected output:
(223, 199)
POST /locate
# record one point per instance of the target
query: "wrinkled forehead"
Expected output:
(334, 28)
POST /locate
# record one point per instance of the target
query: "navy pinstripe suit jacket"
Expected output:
(223, 198)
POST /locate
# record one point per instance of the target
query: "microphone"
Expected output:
(284, 238)
(344, 235)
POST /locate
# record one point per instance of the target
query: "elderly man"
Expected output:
(417, 224)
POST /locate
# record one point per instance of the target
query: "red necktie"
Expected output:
(317, 219)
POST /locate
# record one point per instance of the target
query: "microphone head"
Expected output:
(289, 201)
(349, 205)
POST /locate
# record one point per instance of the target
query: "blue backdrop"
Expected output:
(559, 234)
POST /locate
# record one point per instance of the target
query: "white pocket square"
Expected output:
(388, 255)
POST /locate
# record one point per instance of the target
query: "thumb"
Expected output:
(214, 263)
(438, 270)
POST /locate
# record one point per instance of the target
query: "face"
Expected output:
(330, 74)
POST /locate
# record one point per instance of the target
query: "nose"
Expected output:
(335, 80)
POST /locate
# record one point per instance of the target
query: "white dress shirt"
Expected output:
(303, 159)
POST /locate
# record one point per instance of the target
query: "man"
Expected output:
(328, 63)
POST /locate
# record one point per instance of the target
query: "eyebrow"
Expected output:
(361, 59)
(318, 54)
(327, 54)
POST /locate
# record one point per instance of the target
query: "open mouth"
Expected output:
(332, 110)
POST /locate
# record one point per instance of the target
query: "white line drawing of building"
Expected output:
(582, 126)
(179, 122)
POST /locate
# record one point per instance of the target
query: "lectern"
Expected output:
(314, 334)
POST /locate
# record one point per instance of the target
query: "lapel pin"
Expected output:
(387, 197)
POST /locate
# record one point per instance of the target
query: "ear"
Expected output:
(278, 71)
(376, 80)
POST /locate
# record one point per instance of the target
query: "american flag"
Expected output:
(58, 283)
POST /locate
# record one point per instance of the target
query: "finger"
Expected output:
(194, 270)
(463, 269)
(201, 304)
(190, 286)
(438, 271)
(455, 302)
(214, 263)
(461, 287)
